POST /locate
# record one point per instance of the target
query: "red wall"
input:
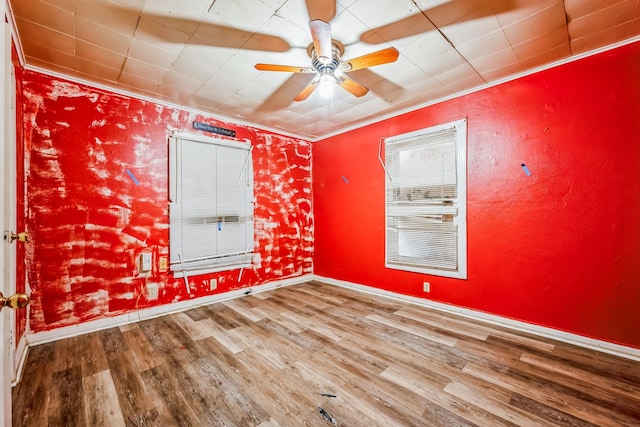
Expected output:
(21, 315)
(89, 220)
(559, 248)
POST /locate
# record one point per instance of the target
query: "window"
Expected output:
(211, 204)
(426, 201)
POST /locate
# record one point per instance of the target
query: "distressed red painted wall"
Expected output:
(21, 315)
(559, 248)
(89, 220)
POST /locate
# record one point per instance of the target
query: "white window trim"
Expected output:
(461, 218)
(242, 259)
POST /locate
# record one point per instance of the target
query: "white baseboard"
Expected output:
(19, 357)
(32, 339)
(542, 331)
(148, 313)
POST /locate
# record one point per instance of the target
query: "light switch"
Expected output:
(145, 262)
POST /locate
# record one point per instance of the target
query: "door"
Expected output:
(6, 287)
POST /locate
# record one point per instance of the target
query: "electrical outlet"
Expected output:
(213, 284)
(145, 262)
(152, 291)
(426, 286)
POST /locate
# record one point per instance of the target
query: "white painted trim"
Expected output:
(358, 125)
(478, 88)
(11, 20)
(542, 331)
(244, 144)
(33, 339)
(124, 92)
(20, 357)
(459, 207)
(149, 313)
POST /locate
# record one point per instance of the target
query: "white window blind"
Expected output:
(211, 209)
(426, 201)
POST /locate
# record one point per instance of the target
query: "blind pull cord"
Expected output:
(184, 274)
(244, 167)
(246, 251)
(381, 161)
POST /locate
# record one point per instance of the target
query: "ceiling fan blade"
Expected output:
(321, 9)
(353, 87)
(435, 18)
(321, 35)
(383, 56)
(285, 68)
(307, 90)
(282, 97)
(193, 31)
(384, 88)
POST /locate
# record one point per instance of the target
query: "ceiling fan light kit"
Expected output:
(327, 64)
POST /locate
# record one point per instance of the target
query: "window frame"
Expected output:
(460, 219)
(214, 262)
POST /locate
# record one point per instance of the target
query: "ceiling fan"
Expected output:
(327, 62)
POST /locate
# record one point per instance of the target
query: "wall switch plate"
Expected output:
(145, 262)
(163, 264)
(426, 286)
(152, 291)
(213, 284)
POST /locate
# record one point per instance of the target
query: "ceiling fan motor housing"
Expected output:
(326, 70)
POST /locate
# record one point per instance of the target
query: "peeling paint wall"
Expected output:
(21, 315)
(96, 166)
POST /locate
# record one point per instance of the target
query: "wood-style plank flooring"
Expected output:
(319, 355)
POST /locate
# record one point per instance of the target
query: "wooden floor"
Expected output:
(320, 355)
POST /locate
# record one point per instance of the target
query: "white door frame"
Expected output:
(7, 287)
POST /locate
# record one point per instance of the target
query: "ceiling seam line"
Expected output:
(566, 21)
(449, 41)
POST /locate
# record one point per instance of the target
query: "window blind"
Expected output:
(211, 210)
(423, 203)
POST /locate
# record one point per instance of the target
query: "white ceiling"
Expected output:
(201, 54)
